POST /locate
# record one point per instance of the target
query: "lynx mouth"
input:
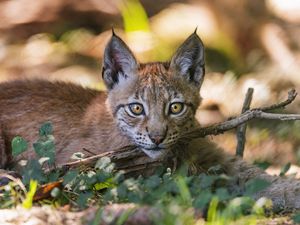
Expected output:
(155, 153)
(155, 149)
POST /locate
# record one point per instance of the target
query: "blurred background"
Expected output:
(250, 43)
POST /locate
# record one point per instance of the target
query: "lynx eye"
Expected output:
(136, 108)
(176, 108)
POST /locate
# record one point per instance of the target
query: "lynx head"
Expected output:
(154, 103)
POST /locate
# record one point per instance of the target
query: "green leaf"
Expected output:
(207, 181)
(102, 176)
(263, 165)
(33, 171)
(90, 178)
(45, 147)
(70, 176)
(284, 169)
(46, 129)
(153, 182)
(203, 199)
(18, 145)
(122, 191)
(108, 184)
(296, 218)
(53, 176)
(255, 185)
(222, 194)
(27, 203)
(83, 198)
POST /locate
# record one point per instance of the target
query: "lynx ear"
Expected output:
(119, 63)
(188, 61)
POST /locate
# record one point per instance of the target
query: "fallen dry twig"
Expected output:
(256, 113)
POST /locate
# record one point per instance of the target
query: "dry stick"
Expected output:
(126, 154)
(258, 113)
(241, 130)
(243, 118)
(123, 159)
(291, 97)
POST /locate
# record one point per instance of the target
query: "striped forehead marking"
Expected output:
(153, 76)
(156, 68)
(154, 82)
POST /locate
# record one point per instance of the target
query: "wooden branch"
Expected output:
(256, 113)
(291, 97)
(233, 123)
(123, 160)
(241, 130)
(276, 116)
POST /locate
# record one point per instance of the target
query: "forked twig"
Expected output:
(291, 97)
(256, 113)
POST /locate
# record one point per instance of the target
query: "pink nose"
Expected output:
(157, 139)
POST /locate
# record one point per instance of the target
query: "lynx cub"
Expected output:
(148, 105)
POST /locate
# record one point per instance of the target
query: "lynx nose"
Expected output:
(157, 139)
(157, 135)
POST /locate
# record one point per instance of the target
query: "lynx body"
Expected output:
(147, 105)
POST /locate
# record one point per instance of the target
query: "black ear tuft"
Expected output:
(113, 31)
(188, 61)
(195, 31)
(118, 62)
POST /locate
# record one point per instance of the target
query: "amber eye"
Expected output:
(136, 108)
(176, 108)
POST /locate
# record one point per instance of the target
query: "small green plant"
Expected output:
(18, 145)
(177, 195)
(45, 147)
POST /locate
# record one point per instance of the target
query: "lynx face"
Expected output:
(154, 103)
